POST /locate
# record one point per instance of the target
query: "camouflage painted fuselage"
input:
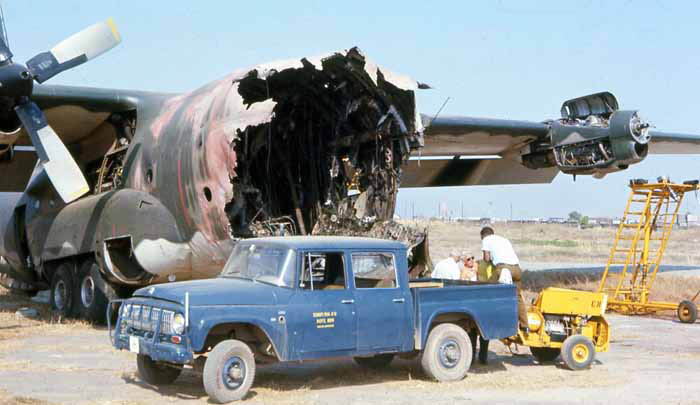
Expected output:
(301, 146)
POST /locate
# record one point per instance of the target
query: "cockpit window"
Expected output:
(258, 262)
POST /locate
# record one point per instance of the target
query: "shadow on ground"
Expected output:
(329, 374)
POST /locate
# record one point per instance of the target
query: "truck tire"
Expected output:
(93, 294)
(154, 373)
(62, 293)
(545, 354)
(447, 355)
(229, 371)
(687, 311)
(375, 362)
(578, 352)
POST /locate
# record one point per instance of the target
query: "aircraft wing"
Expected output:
(593, 137)
(78, 115)
(668, 143)
(468, 136)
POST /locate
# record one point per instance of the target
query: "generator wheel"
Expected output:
(578, 352)
(545, 354)
(687, 311)
(448, 353)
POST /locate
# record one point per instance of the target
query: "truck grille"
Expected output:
(145, 318)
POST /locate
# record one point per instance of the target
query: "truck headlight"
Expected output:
(179, 324)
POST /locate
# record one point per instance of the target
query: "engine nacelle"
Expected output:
(598, 145)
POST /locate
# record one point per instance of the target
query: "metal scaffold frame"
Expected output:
(651, 212)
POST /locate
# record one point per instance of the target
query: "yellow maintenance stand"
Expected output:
(640, 242)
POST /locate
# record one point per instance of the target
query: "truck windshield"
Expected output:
(267, 264)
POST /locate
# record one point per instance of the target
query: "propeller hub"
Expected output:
(15, 81)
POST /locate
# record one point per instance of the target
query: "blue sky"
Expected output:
(496, 59)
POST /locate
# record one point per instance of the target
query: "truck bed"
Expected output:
(492, 306)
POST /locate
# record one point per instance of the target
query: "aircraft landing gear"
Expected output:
(93, 293)
(62, 291)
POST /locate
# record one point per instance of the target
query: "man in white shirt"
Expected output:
(499, 251)
(447, 268)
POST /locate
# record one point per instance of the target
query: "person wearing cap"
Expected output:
(447, 268)
(499, 251)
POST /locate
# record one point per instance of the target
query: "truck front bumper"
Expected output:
(153, 343)
(158, 351)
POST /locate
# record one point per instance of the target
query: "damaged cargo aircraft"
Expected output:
(112, 190)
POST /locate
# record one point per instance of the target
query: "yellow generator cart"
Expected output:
(569, 323)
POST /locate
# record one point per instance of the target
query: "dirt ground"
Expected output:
(650, 361)
(56, 361)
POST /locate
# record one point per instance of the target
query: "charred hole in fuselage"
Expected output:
(331, 154)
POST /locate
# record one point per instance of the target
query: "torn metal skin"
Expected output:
(308, 146)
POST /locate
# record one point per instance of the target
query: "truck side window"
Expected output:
(322, 271)
(374, 270)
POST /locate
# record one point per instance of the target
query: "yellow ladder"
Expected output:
(640, 243)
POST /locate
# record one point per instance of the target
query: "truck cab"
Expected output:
(302, 298)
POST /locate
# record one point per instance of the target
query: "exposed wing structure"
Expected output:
(79, 116)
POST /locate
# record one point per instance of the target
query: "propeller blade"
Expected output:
(5, 53)
(63, 171)
(77, 49)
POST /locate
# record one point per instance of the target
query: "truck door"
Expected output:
(382, 306)
(323, 309)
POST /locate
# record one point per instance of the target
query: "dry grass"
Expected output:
(7, 399)
(669, 288)
(552, 242)
(14, 327)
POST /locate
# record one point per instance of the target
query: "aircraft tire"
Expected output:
(93, 294)
(17, 287)
(62, 292)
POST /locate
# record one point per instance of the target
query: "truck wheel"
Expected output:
(155, 373)
(687, 312)
(229, 371)
(578, 352)
(545, 354)
(376, 362)
(93, 293)
(447, 354)
(62, 291)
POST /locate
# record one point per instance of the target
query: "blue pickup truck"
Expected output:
(299, 298)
